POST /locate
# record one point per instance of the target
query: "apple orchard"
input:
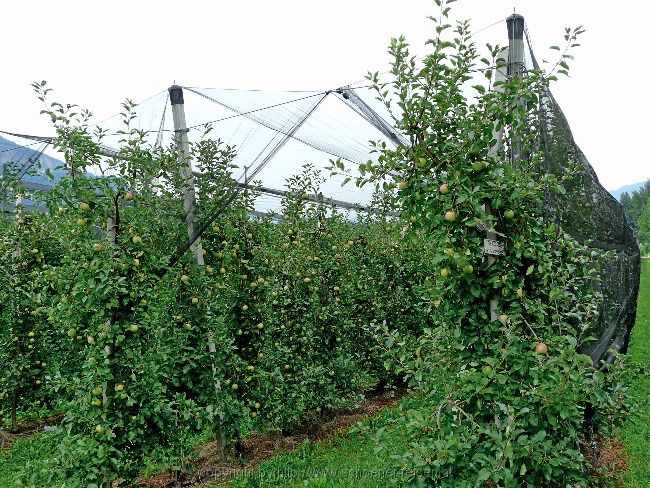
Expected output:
(288, 319)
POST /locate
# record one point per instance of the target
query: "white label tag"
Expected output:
(493, 248)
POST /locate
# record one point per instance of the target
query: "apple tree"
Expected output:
(500, 356)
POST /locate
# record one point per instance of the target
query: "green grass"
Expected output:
(347, 461)
(635, 434)
(27, 461)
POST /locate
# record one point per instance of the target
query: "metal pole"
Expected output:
(516, 26)
(516, 67)
(183, 147)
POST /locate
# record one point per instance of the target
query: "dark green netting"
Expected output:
(596, 219)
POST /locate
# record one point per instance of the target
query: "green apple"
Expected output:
(444, 188)
(450, 216)
(509, 214)
(137, 240)
(84, 206)
(478, 166)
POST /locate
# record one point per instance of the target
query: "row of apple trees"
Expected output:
(500, 360)
(280, 324)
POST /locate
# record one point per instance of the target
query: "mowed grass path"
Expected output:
(635, 434)
(346, 461)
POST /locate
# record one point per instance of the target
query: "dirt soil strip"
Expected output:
(252, 450)
(27, 428)
(607, 461)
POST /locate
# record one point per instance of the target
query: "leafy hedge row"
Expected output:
(293, 309)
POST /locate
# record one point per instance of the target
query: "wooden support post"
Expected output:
(516, 68)
(14, 291)
(497, 136)
(183, 147)
(111, 237)
(189, 205)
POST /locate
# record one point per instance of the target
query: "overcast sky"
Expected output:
(96, 54)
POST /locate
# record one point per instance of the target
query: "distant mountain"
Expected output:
(626, 189)
(17, 156)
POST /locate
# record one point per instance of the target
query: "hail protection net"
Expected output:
(276, 133)
(594, 218)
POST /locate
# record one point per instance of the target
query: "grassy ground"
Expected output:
(27, 459)
(347, 461)
(636, 432)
